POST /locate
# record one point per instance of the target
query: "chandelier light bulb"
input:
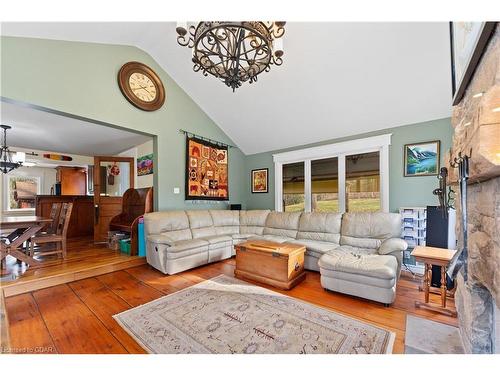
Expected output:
(181, 28)
(19, 157)
(278, 47)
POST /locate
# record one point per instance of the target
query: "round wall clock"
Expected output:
(141, 86)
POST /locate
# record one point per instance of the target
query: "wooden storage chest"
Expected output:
(272, 263)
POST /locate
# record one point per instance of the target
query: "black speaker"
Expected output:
(235, 207)
(438, 235)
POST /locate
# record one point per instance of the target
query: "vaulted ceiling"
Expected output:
(337, 79)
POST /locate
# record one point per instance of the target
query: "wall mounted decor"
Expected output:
(260, 180)
(421, 159)
(141, 86)
(145, 165)
(58, 157)
(206, 170)
(468, 42)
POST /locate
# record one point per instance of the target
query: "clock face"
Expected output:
(142, 87)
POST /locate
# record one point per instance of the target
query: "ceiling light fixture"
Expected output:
(235, 52)
(7, 161)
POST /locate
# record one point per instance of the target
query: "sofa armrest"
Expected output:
(160, 239)
(392, 245)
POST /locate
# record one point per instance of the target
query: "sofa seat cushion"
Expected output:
(242, 236)
(186, 245)
(356, 250)
(370, 265)
(316, 248)
(212, 240)
(273, 238)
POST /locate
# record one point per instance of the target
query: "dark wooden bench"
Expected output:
(135, 203)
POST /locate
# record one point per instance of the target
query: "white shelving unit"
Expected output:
(413, 231)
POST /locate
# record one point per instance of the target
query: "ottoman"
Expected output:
(369, 276)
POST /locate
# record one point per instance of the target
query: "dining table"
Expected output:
(19, 229)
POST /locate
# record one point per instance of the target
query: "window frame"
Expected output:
(6, 188)
(339, 150)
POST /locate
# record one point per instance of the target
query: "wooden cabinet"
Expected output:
(73, 180)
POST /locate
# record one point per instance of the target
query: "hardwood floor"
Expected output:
(84, 259)
(76, 317)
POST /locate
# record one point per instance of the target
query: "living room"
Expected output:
(304, 190)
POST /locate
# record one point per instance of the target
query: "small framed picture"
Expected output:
(421, 159)
(260, 180)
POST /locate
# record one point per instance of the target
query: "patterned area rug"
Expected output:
(226, 315)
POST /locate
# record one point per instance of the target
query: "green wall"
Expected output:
(80, 79)
(403, 191)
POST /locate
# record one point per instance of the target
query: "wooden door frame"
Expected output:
(97, 178)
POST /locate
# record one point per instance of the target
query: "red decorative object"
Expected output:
(114, 170)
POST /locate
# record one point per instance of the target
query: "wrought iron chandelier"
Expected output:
(233, 51)
(7, 162)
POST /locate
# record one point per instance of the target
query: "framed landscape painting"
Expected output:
(421, 159)
(260, 180)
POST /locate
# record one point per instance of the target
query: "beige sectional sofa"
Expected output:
(357, 253)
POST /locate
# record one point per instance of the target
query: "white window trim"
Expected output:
(340, 150)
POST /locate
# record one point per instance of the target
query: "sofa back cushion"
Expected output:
(201, 223)
(369, 229)
(174, 224)
(253, 221)
(225, 221)
(320, 226)
(283, 224)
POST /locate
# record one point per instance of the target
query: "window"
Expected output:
(362, 182)
(325, 185)
(21, 192)
(346, 176)
(293, 187)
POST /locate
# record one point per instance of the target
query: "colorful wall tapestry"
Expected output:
(145, 165)
(206, 170)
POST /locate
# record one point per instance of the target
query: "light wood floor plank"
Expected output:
(28, 332)
(104, 304)
(131, 290)
(72, 325)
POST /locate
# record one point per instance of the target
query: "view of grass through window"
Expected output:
(363, 182)
(325, 185)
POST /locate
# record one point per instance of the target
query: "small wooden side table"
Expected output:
(440, 257)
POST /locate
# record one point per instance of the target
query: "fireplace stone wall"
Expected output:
(476, 122)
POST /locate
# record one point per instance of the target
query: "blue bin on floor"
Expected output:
(141, 240)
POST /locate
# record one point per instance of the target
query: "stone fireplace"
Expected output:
(476, 123)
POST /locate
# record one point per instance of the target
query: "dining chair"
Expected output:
(59, 235)
(55, 210)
